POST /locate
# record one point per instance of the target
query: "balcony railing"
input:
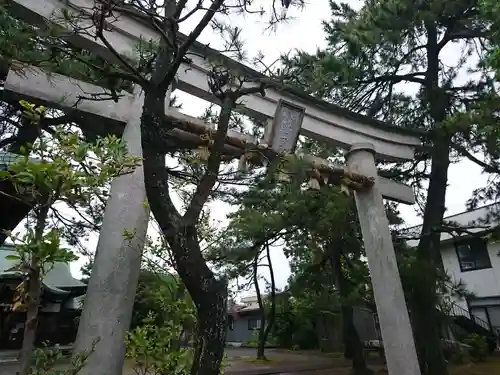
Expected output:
(456, 310)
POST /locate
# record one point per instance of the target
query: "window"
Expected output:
(494, 315)
(230, 322)
(489, 315)
(253, 324)
(473, 254)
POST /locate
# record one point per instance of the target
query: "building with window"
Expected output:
(244, 320)
(472, 255)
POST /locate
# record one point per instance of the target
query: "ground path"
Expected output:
(299, 363)
(240, 361)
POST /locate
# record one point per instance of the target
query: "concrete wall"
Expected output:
(484, 283)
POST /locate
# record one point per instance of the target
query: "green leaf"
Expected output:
(13, 257)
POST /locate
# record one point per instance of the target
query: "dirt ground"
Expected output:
(490, 367)
(241, 362)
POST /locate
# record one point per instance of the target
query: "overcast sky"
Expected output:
(305, 32)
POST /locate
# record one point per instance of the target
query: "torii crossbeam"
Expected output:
(104, 117)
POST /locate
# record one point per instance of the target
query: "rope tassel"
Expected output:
(243, 164)
(203, 153)
(314, 179)
(344, 188)
(314, 184)
(203, 148)
(283, 177)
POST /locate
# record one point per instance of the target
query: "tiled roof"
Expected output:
(478, 220)
(58, 277)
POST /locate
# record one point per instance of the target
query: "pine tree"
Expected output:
(388, 59)
(153, 69)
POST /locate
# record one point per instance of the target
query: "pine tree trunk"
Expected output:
(424, 298)
(272, 310)
(209, 295)
(353, 346)
(261, 345)
(211, 331)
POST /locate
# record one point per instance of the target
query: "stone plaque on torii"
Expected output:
(289, 112)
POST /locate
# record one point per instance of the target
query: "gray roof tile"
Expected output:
(58, 277)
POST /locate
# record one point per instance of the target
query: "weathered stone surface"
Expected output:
(107, 309)
(393, 316)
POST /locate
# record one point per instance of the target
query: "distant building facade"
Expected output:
(60, 305)
(472, 256)
(245, 318)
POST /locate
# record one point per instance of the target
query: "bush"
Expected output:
(47, 361)
(478, 347)
(155, 349)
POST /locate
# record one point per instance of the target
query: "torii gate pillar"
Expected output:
(107, 309)
(397, 335)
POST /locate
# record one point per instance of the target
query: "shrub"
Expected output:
(155, 349)
(47, 361)
(478, 347)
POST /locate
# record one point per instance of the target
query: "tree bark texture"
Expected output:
(353, 346)
(272, 311)
(209, 294)
(261, 345)
(423, 301)
(211, 330)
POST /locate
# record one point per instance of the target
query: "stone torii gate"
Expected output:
(107, 310)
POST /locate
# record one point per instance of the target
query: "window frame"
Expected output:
(468, 242)
(257, 325)
(487, 312)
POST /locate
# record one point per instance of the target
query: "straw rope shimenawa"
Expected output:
(198, 134)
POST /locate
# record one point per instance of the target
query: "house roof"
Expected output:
(481, 219)
(58, 279)
(249, 303)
